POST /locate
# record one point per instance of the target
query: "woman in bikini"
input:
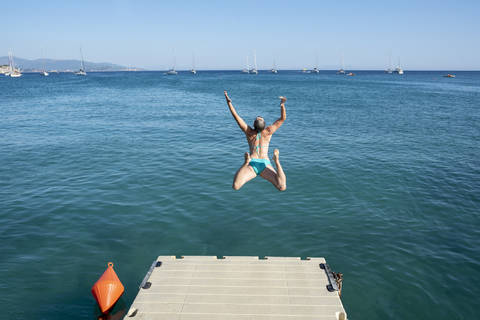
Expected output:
(256, 161)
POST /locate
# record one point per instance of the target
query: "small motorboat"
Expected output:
(350, 74)
(449, 76)
(107, 290)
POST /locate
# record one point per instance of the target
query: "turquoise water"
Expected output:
(382, 173)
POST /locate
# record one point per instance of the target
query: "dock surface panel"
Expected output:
(236, 288)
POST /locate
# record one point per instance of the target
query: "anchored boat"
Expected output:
(254, 70)
(274, 70)
(14, 73)
(342, 70)
(173, 71)
(44, 72)
(399, 69)
(315, 70)
(81, 72)
(246, 70)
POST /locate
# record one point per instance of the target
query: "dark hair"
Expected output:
(259, 125)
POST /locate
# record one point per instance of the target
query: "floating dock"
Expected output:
(240, 288)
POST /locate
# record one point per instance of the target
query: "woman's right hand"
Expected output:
(226, 96)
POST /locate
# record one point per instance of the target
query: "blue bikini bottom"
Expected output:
(259, 165)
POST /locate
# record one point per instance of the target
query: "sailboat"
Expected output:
(172, 71)
(247, 69)
(13, 73)
(342, 71)
(389, 70)
(254, 70)
(398, 69)
(315, 70)
(274, 70)
(43, 73)
(81, 72)
(193, 70)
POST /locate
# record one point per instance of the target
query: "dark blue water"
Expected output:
(382, 170)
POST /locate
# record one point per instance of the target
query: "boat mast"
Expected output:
(43, 62)
(193, 58)
(82, 66)
(173, 59)
(10, 60)
(13, 65)
(343, 63)
(246, 55)
(274, 64)
(316, 59)
(254, 59)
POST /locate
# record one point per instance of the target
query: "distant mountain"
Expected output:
(64, 65)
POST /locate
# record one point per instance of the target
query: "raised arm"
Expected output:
(283, 115)
(237, 118)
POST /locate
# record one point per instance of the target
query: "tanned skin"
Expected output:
(246, 172)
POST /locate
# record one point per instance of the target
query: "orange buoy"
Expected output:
(108, 289)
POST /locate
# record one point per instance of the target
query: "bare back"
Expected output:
(258, 148)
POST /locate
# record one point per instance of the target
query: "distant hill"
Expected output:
(64, 65)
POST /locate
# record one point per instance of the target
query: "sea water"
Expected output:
(383, 181)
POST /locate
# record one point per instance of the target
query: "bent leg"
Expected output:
(244, 174)
(278, 179)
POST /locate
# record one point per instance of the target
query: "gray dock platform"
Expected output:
(201, 288)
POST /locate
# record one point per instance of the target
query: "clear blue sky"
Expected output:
(430, 35)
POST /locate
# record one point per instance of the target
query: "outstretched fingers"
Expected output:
(226, 96)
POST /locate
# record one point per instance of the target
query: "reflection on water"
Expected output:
(117, 313)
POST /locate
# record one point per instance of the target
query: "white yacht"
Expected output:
(254, 70)
(43, 73)
(14, 73)
(193, 70)
(81, 72)
(315, 70)
(389, 70)
(342, 71)
(245, 71)
(398, 69)
(274, 70)
(172, 71)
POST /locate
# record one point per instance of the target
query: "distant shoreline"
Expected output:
(322, 72)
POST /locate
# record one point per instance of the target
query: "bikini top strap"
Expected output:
(259, 136)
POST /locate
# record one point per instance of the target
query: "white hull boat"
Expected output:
(254, 70)
(172, 71)
(193, 71)
(342, 71)
(13, 73)
(81, 72)
(315, 70)
(43, 73)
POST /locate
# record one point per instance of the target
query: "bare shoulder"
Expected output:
(250, 131)
(268, 130)
(273, 127)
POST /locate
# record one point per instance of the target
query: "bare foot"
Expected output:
(247, 158)
(275, 155)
